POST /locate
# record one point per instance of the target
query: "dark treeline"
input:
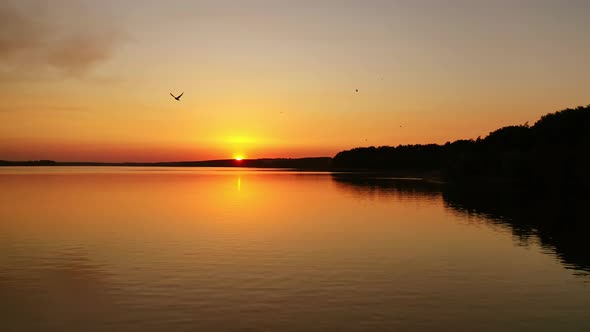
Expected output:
(28, 163)
(555, 150)
(313, 163)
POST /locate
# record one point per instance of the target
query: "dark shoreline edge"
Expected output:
(311, 163)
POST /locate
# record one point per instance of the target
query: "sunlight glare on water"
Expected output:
(200, 249)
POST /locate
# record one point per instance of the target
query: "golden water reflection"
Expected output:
(225, 250)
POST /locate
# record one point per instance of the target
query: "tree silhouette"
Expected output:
(552, 152)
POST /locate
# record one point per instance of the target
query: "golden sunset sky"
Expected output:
(90, 80)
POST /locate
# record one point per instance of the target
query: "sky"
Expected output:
(90, 80)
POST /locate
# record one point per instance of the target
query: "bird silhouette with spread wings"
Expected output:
(177, 98)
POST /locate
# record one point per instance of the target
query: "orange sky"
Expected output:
(89, 80)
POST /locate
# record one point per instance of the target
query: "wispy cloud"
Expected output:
(39, 43)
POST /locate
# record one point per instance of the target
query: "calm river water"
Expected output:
(204, 249)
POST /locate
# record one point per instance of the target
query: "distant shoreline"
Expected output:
(311, 163)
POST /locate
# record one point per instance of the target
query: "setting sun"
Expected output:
(239, 157)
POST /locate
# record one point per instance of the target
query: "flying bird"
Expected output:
(356, 90)
(177, 98)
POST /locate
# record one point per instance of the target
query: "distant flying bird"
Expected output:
(177, 98)
(356, 90)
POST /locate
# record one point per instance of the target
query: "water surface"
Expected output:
(199, 249)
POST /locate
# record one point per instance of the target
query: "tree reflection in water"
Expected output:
(557, 222)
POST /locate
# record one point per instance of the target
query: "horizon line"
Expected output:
(160, 162)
